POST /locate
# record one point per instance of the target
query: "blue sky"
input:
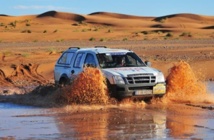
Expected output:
(131, 7)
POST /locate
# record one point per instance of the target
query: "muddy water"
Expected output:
(19, 122)
(126, 121)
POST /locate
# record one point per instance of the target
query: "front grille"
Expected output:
(141, 78)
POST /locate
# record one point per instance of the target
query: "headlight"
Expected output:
(118, 80)
(160, 77)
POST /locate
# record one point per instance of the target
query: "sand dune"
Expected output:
(104, 26)
(186, 16)
(116, 15)
(62, 15)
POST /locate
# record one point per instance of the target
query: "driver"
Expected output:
(120, 61)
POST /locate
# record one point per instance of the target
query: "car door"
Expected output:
(77, 65)
(90, 60)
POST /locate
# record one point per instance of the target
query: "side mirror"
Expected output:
(149, 64)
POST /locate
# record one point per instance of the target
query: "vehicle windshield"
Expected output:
(119, 59)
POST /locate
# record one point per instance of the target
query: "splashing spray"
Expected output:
(88, 88)
(184, 86)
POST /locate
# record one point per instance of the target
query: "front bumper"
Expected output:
(139, 90)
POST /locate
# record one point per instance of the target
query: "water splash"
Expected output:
(88, 88)
(183, 86)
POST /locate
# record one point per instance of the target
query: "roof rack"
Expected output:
(74, 47)
(100, 47)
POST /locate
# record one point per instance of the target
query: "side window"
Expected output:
(66, 58)
(90, 60)
(77, 63)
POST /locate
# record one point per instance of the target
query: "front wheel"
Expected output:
(113, 92)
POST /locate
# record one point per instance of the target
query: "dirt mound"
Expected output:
(2, 75)
(26, 74)
(23, 79)
(62, 15)
(4, 81)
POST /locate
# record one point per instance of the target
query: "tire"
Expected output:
(112, 91)
(63, 82)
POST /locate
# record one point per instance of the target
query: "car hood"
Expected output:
(125, 71)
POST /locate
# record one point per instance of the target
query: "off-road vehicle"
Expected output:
(126, 74)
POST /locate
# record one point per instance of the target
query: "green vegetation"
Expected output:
(95, 29)
(169, 35)
(13, 24)
(145, 32)
(2, 24)
(186, 34)
(125, 39)
(102, 39)
(27, 24)
(92, 39)
(25, 55)
(7, 53)
(84, 30)
(26, 31)
(55, 31)
(59, 40)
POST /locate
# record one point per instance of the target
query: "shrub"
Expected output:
(145, 32)
(125, 39)
(25, 55)
(26, 31)
(95, 29)
(27, 24)
(169, 35)
(92, 39)
(59, 40)
(55, 31)
(188, 34)
(13, 24)
(101, 39)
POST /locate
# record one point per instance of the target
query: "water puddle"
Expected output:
(18, 122)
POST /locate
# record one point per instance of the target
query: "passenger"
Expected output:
(102, 60)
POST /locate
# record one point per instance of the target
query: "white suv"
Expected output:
(126, 74)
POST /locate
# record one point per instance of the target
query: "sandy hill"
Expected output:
(103, 26)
